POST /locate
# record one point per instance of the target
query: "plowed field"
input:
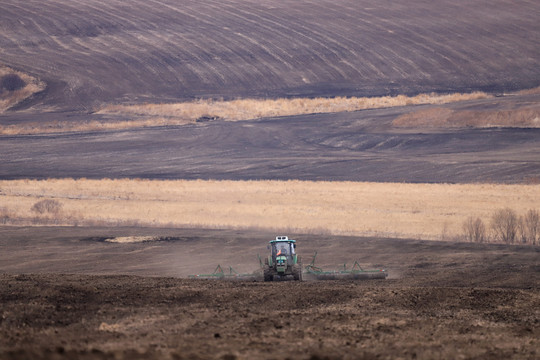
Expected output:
(94, 51)
(442, 300)
(70, 293)
(359, 146)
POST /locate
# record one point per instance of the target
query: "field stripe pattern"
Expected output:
(95, 51)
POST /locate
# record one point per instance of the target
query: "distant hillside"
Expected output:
(91, 52)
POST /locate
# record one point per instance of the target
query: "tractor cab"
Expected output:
(283, 246)
(283, 260)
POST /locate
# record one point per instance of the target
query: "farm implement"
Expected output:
(282, 263)
(354, 273)
(220, 274)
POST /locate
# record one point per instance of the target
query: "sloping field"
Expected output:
(95, 51)
(121, 117)
(93, 89)
(126, 58)
(358, 146)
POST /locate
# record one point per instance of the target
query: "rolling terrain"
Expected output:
(358, 146)
(97, 51)
(91, 54)
(74, 76)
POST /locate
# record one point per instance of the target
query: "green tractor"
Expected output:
(282, 261)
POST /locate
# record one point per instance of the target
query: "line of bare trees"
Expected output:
(505, 226)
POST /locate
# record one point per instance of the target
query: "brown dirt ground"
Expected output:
(65, 293)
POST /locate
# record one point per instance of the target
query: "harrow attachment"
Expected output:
(231, 274)
(354, 273)
(278, 261)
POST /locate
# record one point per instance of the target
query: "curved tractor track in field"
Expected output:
(95, 51)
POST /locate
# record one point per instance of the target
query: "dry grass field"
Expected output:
(424, 211)
(245, 109)
(513, 112)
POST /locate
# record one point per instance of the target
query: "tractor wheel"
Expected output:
(297, 271)
(268, 276)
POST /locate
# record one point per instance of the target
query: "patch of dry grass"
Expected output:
(446, 118)
(131, 239)
(532, 91)
(86, 126)
(149, 115)
(10, 97)
(245, 109)
(426, 211)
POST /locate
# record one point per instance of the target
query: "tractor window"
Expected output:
(284, 247)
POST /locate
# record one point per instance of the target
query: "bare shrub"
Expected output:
(47, 206)
(530, 226)
(521, 233)
(504, 224)
(4, 215)
(475, 230)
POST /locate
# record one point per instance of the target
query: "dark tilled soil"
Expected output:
(442, 300)
(359, 146)
(94, 51)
